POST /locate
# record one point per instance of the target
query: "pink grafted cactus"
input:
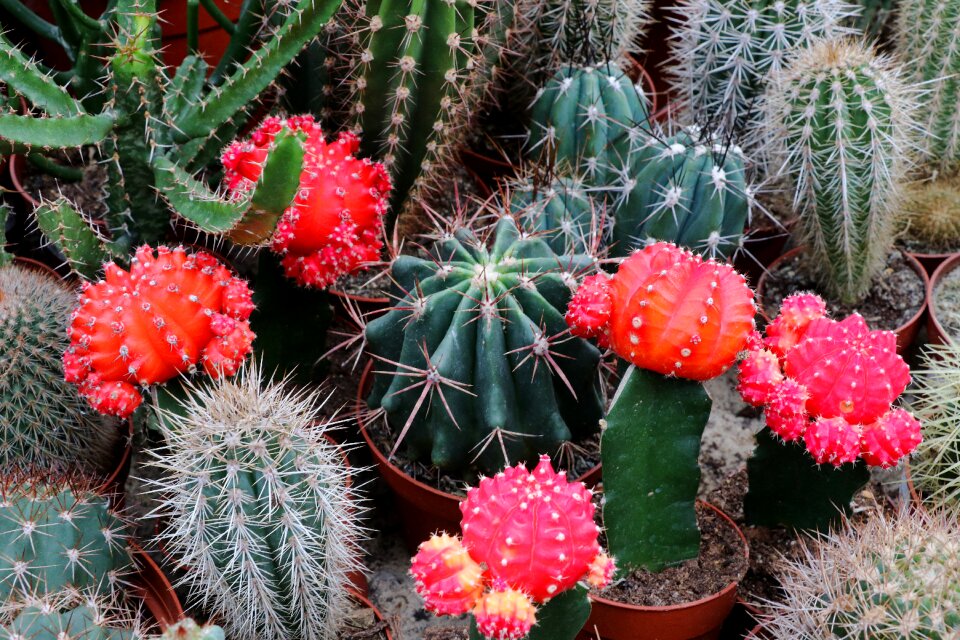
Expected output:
(533, 534)
(832, 384)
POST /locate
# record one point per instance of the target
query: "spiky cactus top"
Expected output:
(928, 43)
(888, 578)
(473, 361)
(70, 614)
(277, 532)
(527, 538)
(563, 210)
(841, 120)
(171, 312)
(725, 51)
(335, 223)
(188, 629)
(839, 374)
(43, 420)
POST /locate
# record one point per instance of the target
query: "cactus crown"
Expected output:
(278, 535)
(840, 120)
(70, 614)
(889, 578)
(563, 209)
(932, 212)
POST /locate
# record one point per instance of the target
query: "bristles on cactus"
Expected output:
(932, 212)
(71, 614)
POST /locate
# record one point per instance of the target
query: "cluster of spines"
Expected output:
(71, 614)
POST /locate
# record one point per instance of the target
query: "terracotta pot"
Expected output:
(699, 620)
(906, 333)
(931, 261)
(376, 612)
(16, 165)
(935, 331)
(423, 509)
(159, 597)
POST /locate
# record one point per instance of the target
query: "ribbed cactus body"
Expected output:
(277, 535)
(188, 629)
(68, 615)
(928, 43)
(690, 189)
(588, 120)
(563, 211)
(43, 420)
(479, 325)
(725, 51)
(57, 534)
(841, 123)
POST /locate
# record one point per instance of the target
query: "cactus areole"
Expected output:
(678, 319)
(171, 313)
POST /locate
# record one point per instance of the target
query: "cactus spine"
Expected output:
(69, 614)
(841, 119)
(278, 533)
(928, 42)
(562, 210)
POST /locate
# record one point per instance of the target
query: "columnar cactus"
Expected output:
(335, 223)
(170, 313)
(278, 533)
(886, 578)
(516, 552)
(473, 363)
(69, 614)
(928, 43)
(588, 120)
(726, 51)
(58, 533)
(43, 420)
(678, 319)
(691, 189)
(840, 117)
(563, 210)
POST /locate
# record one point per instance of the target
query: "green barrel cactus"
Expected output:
(258, 503)
(58, 533)
(928, 43)
(563, 211)
(69, 615)
(43, 420)
(841, 120)
(690, 189)
(474, 366)
(588, 120)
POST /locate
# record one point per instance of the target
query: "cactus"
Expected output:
(171, 312)
(678, 319)
(886, 578)
(516, 553)
(932, 212)
(589, 120)
(690, 189)
(273, 547)
(474, 367)
(334, 225)
(563, 210)
(841, 117)
(59, 534)
(156, 130)
(69, 614)
(43, 421)
(926, 42)
(188, 629)
(726, 52)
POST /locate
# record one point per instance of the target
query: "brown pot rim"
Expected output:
(353, 297)
(939, 274)
(15, 171)
(376, 612)
(382, 460)
(931, 256)
(912, 261)
(693, 603)
(159, 597)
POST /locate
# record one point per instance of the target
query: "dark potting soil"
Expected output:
(897, 294)
(86, 194)
(372, 283)
(362, 624)
(447, 633)
(946, 303)
(721, 561)
(774, 213)
(918, 246)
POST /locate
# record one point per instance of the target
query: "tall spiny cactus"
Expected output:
(155, 130)
(841, 119)
(276, 533)
(928, 43)
(726, 50)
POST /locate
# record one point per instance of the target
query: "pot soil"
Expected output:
(86, 194)
(944, 322)
(895, 303)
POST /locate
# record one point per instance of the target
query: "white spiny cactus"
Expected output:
(258, 503)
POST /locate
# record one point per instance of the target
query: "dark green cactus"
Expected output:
(157, 128)
(473, 362)
(563, 211)
(689, 189)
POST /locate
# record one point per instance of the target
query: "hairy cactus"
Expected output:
(690, 189)
(188, 629)
(563, 210)
(588, 120)
(278, 535)
(841, 119)
(516, 551)
(932, 212)
(928, 32)
(335, 223)
(59, 534)
(171, 312)
(839, 374)
(43, 420)
(887, 578)
(474, 364)
(726, 51)
(69, 614)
